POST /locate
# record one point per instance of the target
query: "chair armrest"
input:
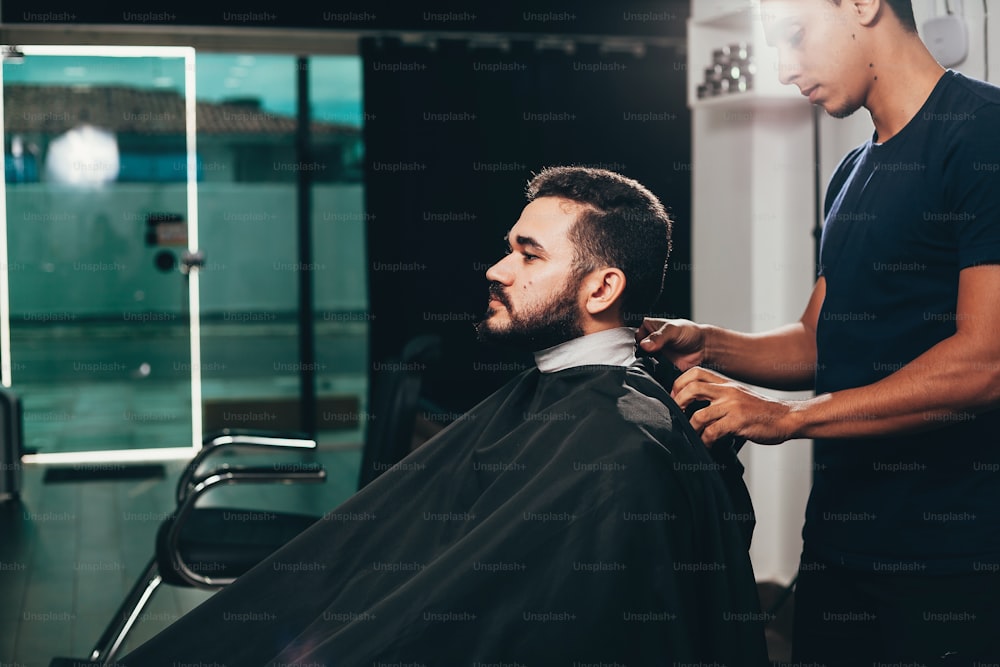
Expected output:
(279, 473)
(309, 473)
(220, 440)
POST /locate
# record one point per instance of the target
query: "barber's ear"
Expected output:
(866, 11)
(604, 288)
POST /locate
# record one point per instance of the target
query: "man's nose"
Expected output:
(498, 273)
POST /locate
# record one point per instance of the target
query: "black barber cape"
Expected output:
(571, 517)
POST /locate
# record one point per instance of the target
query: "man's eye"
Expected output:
(528, 256)
(796, 37)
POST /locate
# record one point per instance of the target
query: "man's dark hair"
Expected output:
(903, 9)
(622, 225)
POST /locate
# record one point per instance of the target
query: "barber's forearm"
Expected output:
(784, 358)
(944, 385)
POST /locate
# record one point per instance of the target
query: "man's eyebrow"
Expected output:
(530, 242)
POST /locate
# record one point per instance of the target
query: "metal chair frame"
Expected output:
(190, 488)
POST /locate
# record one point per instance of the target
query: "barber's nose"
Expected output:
(788, 68)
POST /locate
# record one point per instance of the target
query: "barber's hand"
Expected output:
(680, 342)
(733, 409)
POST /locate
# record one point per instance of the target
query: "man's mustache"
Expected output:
(496, 292)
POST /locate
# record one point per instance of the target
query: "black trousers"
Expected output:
(874, 619)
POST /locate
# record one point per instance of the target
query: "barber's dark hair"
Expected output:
(622, 225)
(903, 9)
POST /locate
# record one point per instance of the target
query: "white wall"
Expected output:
(752, 259)
(973, 12)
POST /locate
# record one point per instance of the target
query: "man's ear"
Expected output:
(603, 289)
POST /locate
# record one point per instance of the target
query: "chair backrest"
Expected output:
(723, 453)
(393, 413)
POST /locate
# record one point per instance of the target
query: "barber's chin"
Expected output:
(842, 111)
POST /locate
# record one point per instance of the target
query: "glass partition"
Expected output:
(100, 324)
(112, 337)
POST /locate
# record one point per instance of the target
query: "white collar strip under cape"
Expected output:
(611, 347)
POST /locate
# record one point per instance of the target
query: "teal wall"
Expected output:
(82, 253)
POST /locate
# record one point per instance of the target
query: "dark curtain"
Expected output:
(453, 133)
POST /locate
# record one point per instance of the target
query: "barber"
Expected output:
(900, 341)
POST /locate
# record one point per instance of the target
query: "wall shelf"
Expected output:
(749, 99)
(734, 22)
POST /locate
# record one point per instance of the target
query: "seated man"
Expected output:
(571, 517)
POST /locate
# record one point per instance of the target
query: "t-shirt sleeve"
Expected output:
(972, 183)
(837, 182)
(839, 178)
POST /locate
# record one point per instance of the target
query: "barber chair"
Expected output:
(395, 401)
(722, 452)
(731, 469)
(209, 547)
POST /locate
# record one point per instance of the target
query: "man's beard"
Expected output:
(540, 326)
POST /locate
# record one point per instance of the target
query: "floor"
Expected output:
(70, 551)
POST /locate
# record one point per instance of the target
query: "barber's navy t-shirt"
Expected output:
(904, 218)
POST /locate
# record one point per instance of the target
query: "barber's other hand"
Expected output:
(680, 342)
(733, 409)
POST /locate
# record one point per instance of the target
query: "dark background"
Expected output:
(450, 143)
(475, 169)
(665, 17)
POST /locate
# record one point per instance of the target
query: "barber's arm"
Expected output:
(959, 374)
(784, 358)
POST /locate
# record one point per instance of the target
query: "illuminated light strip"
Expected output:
(120, 455)
(109, 51)
(194, 272)
(113, 456)
(5, 375)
